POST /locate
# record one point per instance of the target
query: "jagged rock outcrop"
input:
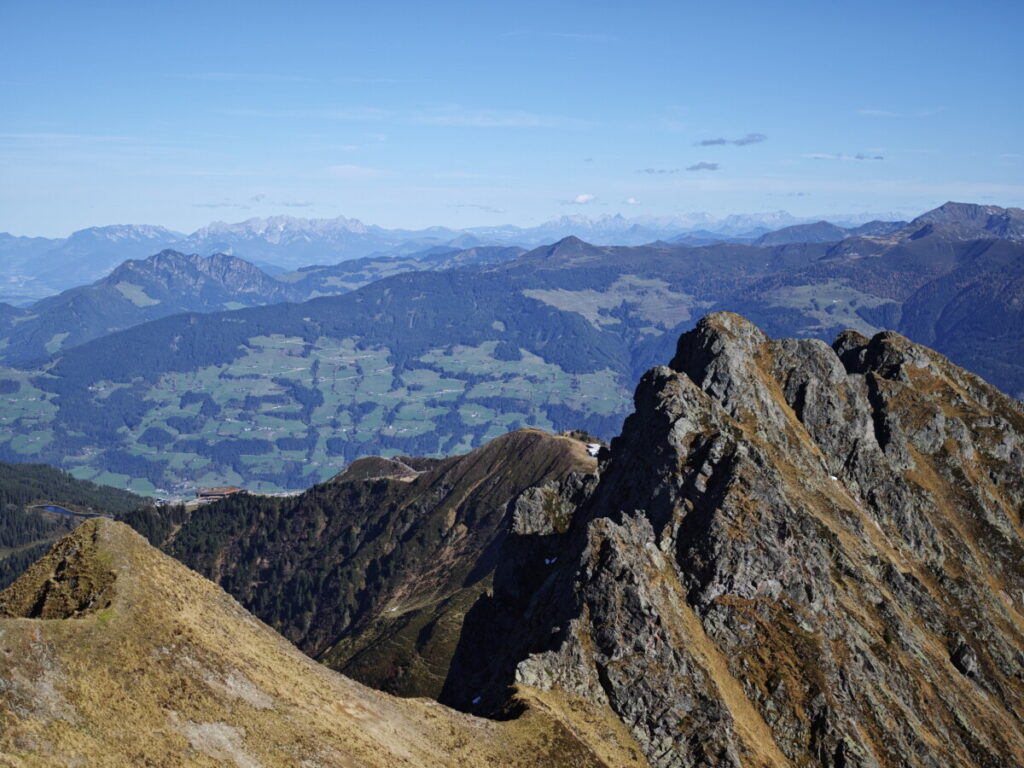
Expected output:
(795, 555)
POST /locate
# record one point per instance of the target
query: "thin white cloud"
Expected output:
(742, 141)
(891, 113)
(443, 115)
(460, 175)
(476, 206)
(297, 203)
(65, 139)
(595, 37)
(272, 77)
(347, 114)
(221, 204)
(583, 199)
(242, 77)
(841, 156)
(631, 201)
(454, 115)
(355, 173)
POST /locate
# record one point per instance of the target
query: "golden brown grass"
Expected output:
(174, 672)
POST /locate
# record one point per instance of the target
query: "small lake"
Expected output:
(61, 511)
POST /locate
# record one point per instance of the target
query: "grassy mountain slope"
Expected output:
(114, 654)
(135, 292)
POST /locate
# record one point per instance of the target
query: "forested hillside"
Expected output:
(26, 533)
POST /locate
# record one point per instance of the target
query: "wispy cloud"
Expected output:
(659, 171)
(595, 37)
(355, 173)
(631, 201)
(842, 156)
(242, 77)
(454, 115)
(272, 77)
(227, 202)
(892, 113)
(467, 175)
(750, 138)
(475, 206)
(347, 114)
(44, 139)
(583, 199)
(222, 204)
(703, 167)
(445, 115)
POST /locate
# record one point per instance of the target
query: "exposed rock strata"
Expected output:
(795, 555)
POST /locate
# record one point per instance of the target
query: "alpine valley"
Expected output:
(794, 554)
(178, 371)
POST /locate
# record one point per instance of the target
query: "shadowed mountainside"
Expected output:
(795, 555)
(372, 571)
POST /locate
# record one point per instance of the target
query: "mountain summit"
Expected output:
(795, 555)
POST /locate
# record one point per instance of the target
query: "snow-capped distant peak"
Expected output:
(126, 232)
(280, 225)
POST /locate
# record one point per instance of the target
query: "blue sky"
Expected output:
(466, 114)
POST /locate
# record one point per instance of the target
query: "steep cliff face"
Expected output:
(795, 555)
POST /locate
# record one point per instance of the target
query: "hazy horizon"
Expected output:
(466, 116)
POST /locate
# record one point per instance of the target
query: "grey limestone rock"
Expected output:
(793, 555)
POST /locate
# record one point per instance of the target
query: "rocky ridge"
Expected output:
(794, 555)
(372, 572)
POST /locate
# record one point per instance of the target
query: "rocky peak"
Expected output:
(796, 555)
(567, 248)
(966, 220)
(69, 582)
(187, 274)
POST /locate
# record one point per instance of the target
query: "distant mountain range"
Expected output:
(32, 268)
(827, 232)
(170, 283)
(439, 360)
